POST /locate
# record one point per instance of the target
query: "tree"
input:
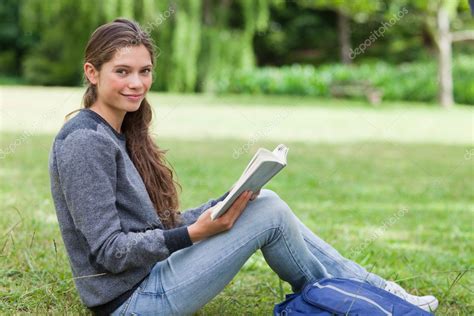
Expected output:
(227, 38)
(345, 10)
(438, 20)
(197, 41)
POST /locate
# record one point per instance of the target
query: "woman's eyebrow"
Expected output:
(127, 66)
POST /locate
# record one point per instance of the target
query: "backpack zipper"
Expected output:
(368, 300)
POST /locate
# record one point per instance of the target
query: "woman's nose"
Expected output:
(135, 81)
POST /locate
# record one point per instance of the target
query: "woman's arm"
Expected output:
(205, 227)
(87, 176)
(190, 216)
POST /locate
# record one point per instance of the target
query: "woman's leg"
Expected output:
(191, 277)
(334, 262)
(338, 266)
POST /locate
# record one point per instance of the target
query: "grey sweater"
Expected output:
(109, 226)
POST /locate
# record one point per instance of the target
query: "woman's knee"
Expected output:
(268, 193)
(273, 206)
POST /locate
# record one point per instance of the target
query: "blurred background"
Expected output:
(377, 49)
(374, 98)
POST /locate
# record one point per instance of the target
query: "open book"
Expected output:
(262, 167)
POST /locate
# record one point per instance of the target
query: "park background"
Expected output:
(374, 98)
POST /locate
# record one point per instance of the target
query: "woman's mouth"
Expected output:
(133, 97)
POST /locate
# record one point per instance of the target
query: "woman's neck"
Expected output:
(113, 116)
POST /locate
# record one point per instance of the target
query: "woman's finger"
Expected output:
(254, 195)
(242, 200)
(240, 204)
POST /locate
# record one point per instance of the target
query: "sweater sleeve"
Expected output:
(86, 162)
(190, 216)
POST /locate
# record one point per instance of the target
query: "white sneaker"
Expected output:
(428, 303)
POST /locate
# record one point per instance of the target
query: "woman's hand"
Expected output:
(205, 227)
(254, 195)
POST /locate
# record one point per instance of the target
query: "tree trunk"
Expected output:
(445, 78)
(344, 30)
(207, 6)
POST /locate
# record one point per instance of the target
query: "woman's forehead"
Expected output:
(132, 56)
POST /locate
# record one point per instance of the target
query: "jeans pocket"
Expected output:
(149, 304)
(152, 284)
(122, 309)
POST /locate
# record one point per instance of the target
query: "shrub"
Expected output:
(416, 81)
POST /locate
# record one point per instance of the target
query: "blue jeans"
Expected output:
(191, 277)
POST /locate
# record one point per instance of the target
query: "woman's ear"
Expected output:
(91, 73)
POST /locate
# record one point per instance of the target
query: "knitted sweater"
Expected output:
(111, 231)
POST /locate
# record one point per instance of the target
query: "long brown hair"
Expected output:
(148, 158)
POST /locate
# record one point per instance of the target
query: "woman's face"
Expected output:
(122, 83)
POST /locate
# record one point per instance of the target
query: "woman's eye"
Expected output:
(124, 72)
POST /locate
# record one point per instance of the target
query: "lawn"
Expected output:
(404, 210)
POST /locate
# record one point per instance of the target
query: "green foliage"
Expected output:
(12, 40)
(53, 61)
(228, 41)
(410, 81)
(158, 24)
(7, 62)
(463, 80)
(60, 31)
(9, 80)
(185, 46)
(204, 45)
(55, 57)
(360, 10)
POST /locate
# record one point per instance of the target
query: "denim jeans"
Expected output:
(191, 277)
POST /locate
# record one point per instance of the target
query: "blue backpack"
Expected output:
(334, 296)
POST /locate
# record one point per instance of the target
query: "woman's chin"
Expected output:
(132, 106)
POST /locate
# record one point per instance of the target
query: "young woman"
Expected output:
(130, 249)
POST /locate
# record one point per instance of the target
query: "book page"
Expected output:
(263, 166)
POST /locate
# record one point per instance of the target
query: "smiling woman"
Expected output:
(121, 83)
(131, 250)
(118, 67)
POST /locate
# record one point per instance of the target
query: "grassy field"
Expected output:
(277, 118)
(343, 192)
(417, 199)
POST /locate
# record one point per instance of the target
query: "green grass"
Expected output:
(281, 119)
(343, 192)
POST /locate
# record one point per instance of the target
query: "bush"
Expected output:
(411, 81)
(463, 69)
(44, 69)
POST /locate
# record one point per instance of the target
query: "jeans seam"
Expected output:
(334, 259)
(292, 255)
(210, 267)
(143, 284)
(309, 277)
(160, 290)
(171, 290)
(236, 249)
(124, 311)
